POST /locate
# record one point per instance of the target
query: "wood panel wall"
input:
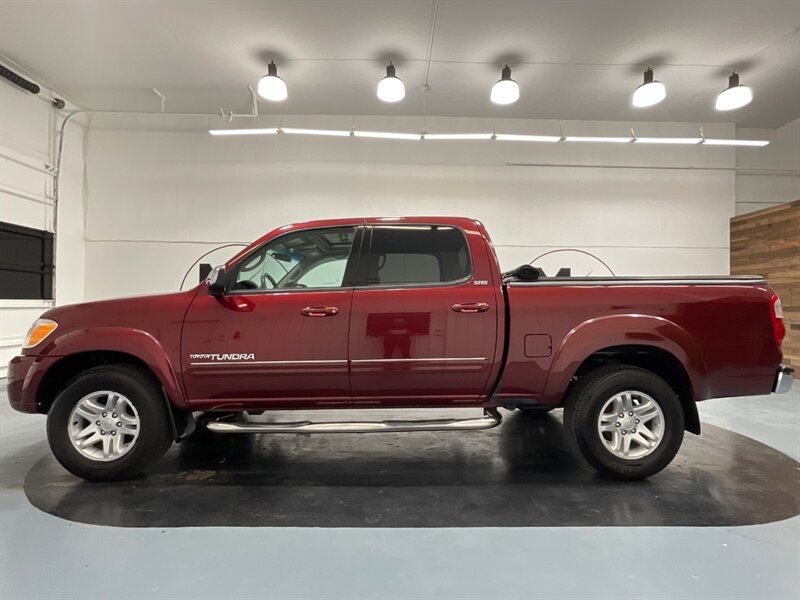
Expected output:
(767, 243)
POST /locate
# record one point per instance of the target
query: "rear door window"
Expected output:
(416, 255)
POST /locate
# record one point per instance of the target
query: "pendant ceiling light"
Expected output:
(391, 88)
(505, 91)
(651, 92)
(736, 96)
(271, 87)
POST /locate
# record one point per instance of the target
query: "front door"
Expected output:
(423, 328)
(278, 336)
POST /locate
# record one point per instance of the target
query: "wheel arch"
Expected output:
(125, 343)
(653, 359)
(645, 341)
(67, 368)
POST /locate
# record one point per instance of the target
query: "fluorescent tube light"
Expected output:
(457, 136)
(268, 131)
(328, 132)
(735, 142)
(387, 135)
(610, 140)
(390, 135)
(514, 137)
(667, 140)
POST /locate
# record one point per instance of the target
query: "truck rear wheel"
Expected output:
(625, 421)
(109, 423)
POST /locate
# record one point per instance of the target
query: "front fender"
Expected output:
(624, 330)
(135, 342)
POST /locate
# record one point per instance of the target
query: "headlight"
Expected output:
(38, 331)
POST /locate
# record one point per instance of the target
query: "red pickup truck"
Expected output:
(396, 313)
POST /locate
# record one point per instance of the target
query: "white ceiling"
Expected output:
(572, 59)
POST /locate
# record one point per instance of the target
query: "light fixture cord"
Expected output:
(434, 18)
(424, 108)
(781, 39)
(355, 106)
(597, 258)
(189, 270)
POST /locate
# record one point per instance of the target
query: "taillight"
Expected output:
(778, 327)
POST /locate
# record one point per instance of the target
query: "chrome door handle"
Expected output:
(319, 311)
(471, 307)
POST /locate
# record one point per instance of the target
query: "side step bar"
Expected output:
(490, 419)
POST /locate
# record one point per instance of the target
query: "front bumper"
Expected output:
(783, 380)
(25, 374)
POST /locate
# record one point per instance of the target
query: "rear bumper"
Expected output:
(783, 380)
(25, 373)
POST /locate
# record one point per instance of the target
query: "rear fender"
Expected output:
(620, 330)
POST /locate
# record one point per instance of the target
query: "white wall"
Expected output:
(158, 199)
(155, 193)
(27, 128)
(768, 176)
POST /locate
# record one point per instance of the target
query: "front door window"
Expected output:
(310, 259)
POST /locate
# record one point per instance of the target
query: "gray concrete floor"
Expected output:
(42, 556)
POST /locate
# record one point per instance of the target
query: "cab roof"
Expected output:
(463, 222)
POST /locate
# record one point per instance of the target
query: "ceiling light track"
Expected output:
(547, 63)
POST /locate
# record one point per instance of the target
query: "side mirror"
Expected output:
(216, 281)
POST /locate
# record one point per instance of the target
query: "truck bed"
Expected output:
(719, 328)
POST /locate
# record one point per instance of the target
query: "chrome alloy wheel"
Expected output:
(104, 426)
(631, 425)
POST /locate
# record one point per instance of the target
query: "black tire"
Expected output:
(582, 411)
(155, 432)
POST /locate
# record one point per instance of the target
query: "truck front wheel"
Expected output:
(625, 421)
(109, 423)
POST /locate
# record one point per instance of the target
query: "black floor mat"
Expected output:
(520, 474)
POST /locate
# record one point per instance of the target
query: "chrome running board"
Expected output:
(490, 419)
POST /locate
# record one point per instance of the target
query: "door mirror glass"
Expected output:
(216, 281)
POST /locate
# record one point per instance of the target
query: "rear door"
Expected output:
(423, 327)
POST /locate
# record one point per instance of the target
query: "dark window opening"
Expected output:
(416, 254)
(26, 263)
